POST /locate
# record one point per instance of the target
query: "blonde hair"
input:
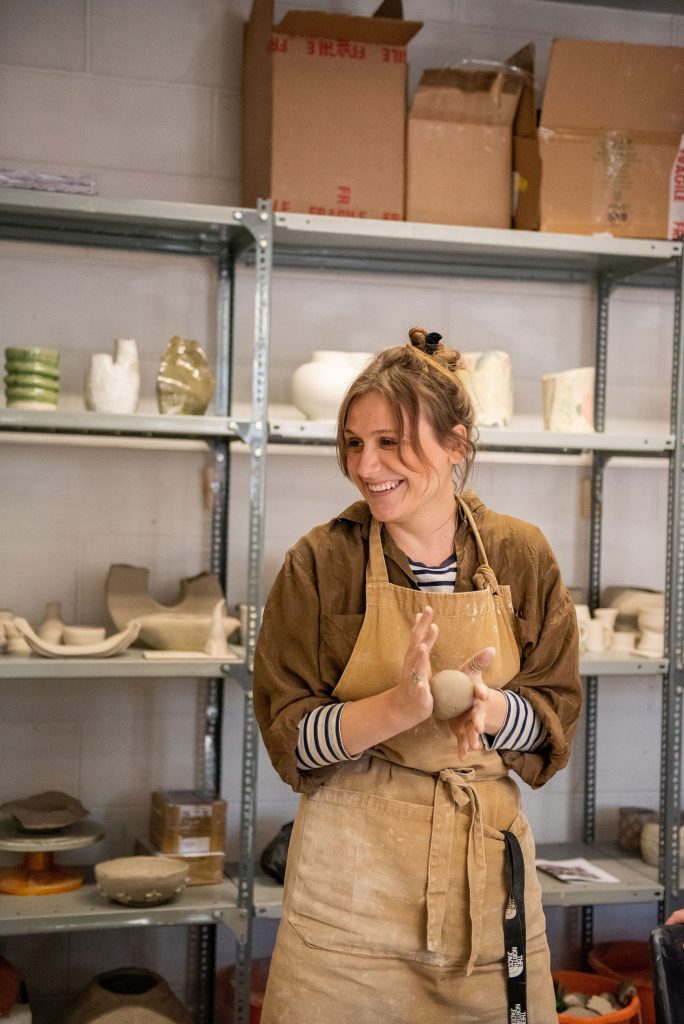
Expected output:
(416, 379)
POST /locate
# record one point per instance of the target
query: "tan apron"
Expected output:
(396, 876)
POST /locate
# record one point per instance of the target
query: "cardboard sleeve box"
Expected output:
(324, 111)
(203, 868)
(187, 821)
(612, 118)
(460, 146)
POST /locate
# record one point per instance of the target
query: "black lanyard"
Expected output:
(514, 932)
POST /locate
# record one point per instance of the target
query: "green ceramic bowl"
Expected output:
(42, 355)
(26, 366)
(31, 380)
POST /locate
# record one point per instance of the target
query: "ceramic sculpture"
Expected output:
(114, 644)
(45, 811)
(183, 626)
(113, 385)
(185, 382)
(319, 385)
(488, 378)
(16, 643)
(52, 626)
(129, 995)
(31, 378)
(141, 881)
(568, 400)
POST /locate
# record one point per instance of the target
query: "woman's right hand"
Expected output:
(413, 690)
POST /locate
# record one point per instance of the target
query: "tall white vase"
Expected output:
(113, 385)
(319, 386)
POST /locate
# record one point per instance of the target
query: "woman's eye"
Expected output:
(388, 442)
(352, 442)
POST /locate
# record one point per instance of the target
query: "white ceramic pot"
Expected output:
(319, 386)
(113, 385)
(568, 400)
(489, 381)
(52, 626)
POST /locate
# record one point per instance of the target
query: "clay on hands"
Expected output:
(453, 693)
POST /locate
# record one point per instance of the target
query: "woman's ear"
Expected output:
(459, 449)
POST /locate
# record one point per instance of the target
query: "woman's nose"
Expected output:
(369, 460)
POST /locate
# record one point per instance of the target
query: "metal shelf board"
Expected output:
(528, 438)
(115, 424)
(121, 223)
(635, 884)
(129, 665)
(307, 240)
(86, 909)
(268, 894)
(606, 663)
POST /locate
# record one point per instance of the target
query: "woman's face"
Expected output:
(413, 495)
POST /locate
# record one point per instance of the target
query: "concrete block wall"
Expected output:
(145, 98)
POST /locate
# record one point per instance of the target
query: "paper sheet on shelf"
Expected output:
(575, 869)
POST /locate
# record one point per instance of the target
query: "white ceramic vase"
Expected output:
(319, 386)
(52, 626)
(568, 400)
(489, 381)
(113, 385)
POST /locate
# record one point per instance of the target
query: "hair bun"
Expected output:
(428, 343)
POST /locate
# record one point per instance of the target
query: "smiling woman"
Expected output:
(410, 891)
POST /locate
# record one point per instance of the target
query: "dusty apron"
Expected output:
(398, 886)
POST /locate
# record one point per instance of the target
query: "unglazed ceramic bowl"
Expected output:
(141, 881)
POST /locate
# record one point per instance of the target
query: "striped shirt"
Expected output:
(320, 739)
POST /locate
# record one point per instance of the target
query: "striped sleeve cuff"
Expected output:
(320, 739)
(522, 728)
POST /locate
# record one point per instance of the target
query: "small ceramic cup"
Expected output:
(624, 641)
(607, 616)
(652, 643)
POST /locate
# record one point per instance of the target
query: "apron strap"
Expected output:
(458, 789)
(377, 567)
(484, 577)
(514, 932)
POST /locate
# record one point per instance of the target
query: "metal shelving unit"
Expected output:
(222, 234)
(390, 247)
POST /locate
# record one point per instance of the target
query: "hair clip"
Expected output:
(432, 341)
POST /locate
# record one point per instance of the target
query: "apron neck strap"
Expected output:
(377, 568)
(484, 577)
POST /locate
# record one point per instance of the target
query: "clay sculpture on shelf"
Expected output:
(568, 400)
(114, 644)
(185, 383)
(183, 626)
(113, 385)
(45, 811)
(488, 379)
(127, 995)
(31, 378)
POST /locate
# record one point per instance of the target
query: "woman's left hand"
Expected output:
(471, 724)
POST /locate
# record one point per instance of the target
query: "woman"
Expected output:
(411, 895)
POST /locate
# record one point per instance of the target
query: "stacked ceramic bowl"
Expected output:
(31, 378)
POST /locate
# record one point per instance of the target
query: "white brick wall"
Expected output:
(145, 97)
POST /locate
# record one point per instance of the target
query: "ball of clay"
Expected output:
(452, 692)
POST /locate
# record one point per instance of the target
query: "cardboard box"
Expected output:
(324, 111)
(460, 146)
(187, 821)
(612, 117)
(204, 868)
(526, 160)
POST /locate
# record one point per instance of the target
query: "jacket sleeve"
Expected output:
(287, 680)
(549, 674)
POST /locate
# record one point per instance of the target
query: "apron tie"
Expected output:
(458, 788)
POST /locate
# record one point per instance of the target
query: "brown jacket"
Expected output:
(315, 609)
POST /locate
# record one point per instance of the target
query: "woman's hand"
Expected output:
(488, 705)
(413, 690)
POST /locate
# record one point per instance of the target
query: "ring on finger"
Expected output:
(416, 678)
